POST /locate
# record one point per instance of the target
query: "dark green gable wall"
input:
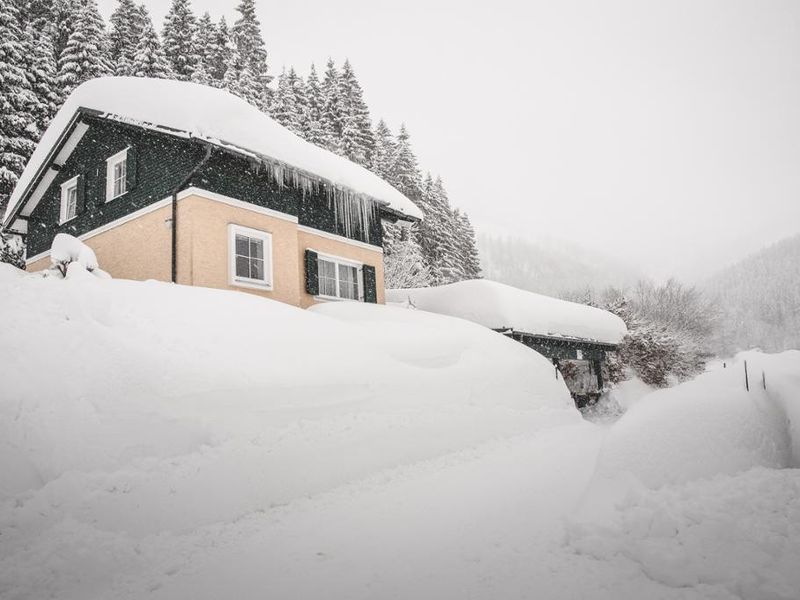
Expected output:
(163, 162)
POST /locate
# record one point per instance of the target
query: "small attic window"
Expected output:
(117, 175)
(69, 199)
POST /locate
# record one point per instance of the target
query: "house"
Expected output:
(180, 182)
(578, 339)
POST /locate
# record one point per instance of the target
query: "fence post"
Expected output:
(746, 379)
(764, 379)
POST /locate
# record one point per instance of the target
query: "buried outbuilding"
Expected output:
(578, 339)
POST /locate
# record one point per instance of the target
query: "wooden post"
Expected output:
(764, 379)
(746, 379)
(556, 367)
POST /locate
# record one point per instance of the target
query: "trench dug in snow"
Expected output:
(170, 442)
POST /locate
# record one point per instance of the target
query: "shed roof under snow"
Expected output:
(214, 116)
(501, 306)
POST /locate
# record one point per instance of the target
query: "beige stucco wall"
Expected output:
(138, 249)
(141, 249)
(342, 249)
(203, 247)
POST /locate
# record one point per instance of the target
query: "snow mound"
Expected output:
(730, 536)
(145, 407)
(501, 306)
(213, 115)
(704, 427)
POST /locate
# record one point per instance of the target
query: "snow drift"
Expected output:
(499, 306)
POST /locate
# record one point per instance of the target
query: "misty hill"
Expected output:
(759, 298)
(551, 267)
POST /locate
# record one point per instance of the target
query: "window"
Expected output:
(250, 257)
(69, 199)
(339, 278)
(117, 175)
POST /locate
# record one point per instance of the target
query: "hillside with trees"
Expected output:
(52, 46)
(759, 300)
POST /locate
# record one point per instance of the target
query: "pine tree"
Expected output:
(204, 42)
(468, 248)
(219, 54)
(18, 131)
(126, 30)
(179, 35)
(41, 74)
(357, 142)
(249, 43)
(331, 112)
(86, 54)
(404, 172)
(312, 125)
(283, 107)
(404, 264)
(383, 153)
(65, 18)
(450, 263)
(240, 81)
(149, 59)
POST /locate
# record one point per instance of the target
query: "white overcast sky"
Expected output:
(664, 132)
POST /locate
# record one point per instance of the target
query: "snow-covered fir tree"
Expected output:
(383, 152)
(283, 107)
(404, 264)
(18, 131)
(179, 35)
(86, 54)
(239, 80)
(404, 170)
(468, 248)
(249, 43)
(219, 54)
(125, 32)
(41, 71)
(204, 42)
(149, 59)
(12, 251)
(449, 259)
(64, 18)
(331, 111)
(357, 142)
(312, 124)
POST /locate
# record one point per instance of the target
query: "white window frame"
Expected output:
(247, 282)
(112, 162)
(338, 260)
(65, 188)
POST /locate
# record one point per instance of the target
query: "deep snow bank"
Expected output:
(258, 400)
(691, 484)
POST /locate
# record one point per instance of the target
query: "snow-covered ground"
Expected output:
(171, 442)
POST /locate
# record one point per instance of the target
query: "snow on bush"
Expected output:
(67, 250)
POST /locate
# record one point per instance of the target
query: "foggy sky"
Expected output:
(665, 133)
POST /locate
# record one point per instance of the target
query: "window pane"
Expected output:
(242, 266)
(72, 202)
(348, 285)
(257, 268)
(242, 245)
(120, 183)
(256, 248)
(327, 277)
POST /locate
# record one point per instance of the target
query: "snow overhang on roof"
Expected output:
(213, 116)
(503, 307)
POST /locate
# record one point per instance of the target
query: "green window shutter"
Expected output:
(80, 193)
(130, 168)
(312, 273)
(370, 285)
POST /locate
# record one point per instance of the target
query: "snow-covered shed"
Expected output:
(177, 181)
(576, 337)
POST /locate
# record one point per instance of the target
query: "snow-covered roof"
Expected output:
(501, 306)
(217, 117)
